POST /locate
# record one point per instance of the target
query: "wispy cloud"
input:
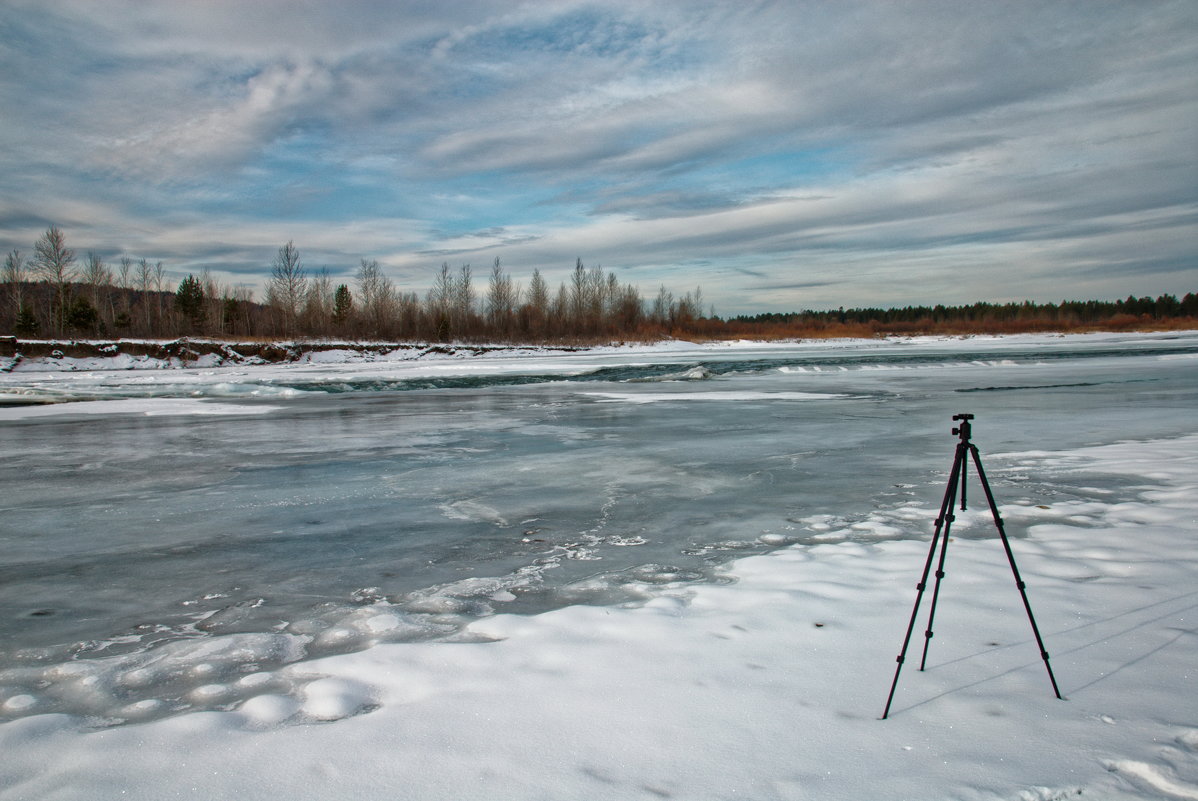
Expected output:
(781, 155)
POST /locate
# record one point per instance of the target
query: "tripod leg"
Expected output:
(964, 471)
(948, 524)
(945, 511)
(1002, 533)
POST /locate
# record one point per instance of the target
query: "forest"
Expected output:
(54, 294)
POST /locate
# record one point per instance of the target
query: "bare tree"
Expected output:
(55, 263)
(214, 302)
(238, 309)
(596, 286)
(536, 305)
(663, 307)
(123, 275)
(287, 284)
(98, 278)
(144, 281)
(378, 300)
(318, 304)
(440, 303)
(578, 295)
(124, 282)
(560, 310)
(501, 301)
(408, 312)
(16, 273)
(159, 289)
(463, 305)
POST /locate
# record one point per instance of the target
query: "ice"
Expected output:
(510, 583)
(668, 397)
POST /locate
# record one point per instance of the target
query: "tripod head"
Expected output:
(965, 429)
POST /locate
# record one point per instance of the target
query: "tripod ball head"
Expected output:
(963, 430)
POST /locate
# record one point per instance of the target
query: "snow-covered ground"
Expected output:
(766, 684)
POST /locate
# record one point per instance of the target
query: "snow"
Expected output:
(768, 685)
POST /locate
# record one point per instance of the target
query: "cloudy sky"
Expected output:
(781, 155)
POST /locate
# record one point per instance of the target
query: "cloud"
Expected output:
(777, 153)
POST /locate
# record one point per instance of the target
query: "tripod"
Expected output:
(944, 522)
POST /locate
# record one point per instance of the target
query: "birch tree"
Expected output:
(54, 262)
(287, 284)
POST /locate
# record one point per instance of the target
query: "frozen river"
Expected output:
(172, 530)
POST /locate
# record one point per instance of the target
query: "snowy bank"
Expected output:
(67, 373)
(769, 687)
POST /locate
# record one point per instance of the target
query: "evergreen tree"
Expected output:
(82, 316)
(343, 305)
(189, 300)
(26, 323)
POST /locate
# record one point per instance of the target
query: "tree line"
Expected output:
(1163, 311)
(54, 294)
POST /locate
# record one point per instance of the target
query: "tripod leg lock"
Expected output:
(928, 634)
(1044, 655)
(900, 659)
(939, 574)
(1021, 585)
(920, 586)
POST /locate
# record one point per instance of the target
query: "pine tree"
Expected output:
(189, 300)
(26, 323)
(82, 316)
(343, 305)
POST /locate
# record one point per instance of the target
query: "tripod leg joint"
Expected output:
(928, 634)
(900, 659)
(939, 574)
(920, 586)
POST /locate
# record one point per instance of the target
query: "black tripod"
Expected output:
(944, 522)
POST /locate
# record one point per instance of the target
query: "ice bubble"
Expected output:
(334, 699)
(19, 703)
(270, 709)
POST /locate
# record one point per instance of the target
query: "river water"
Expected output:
(149, 552)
